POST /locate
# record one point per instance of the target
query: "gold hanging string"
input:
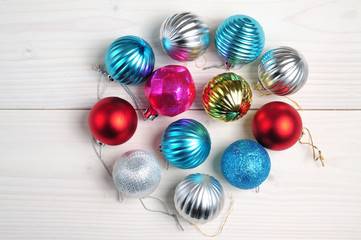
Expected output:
(260, 89)
(224, 222)
(296, 103)
(319, 157)
(263, 92)
(205, 62)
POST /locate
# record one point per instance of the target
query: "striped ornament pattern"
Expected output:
(282, 71)
(184, 37)
(239, 40)
(227, 97)
(129, 60)
(186, 143)
(199, 198)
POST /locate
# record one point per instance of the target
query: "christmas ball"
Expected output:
(277, 126)
(136, 174)
(113, 121)
(129, 60)
(199, 198)
(227, 97)
(282, 71)
(245, 164)
(186, 143)
(170, 91)
(184, 36)
(239, 40)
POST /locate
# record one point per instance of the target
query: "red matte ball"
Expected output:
(113, 121)
(277, 126)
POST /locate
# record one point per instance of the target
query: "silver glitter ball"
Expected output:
(199, 198)
(282, 71)
(136, 174)
(184, 36)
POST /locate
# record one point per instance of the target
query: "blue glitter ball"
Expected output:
(245, 164)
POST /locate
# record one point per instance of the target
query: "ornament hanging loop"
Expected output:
(296, 103)
(204, 64)
(314, 148)
(120, 197)
(136, 102)
(261, 90)
(166, 211)
(98, 148)
(219, 66)
(224, 222)
(101, 69)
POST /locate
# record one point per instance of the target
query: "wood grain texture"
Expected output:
(52, 186)
(47, 47)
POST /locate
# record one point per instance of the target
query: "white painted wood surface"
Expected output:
(52, 186)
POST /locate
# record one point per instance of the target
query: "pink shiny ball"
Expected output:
(170, 91)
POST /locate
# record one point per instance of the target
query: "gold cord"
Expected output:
(298, 105)
(261, 94)
(320, 157)
(261, 90)
(205, 62)
(224, 222)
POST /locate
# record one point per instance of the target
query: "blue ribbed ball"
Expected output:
(129, 60)
(245, 164)
(239, 40)
(186, 143)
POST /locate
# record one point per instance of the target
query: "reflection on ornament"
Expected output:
(282, 71)
(277, 126)
(245, 164)
(184, 36)
(113, 121)
(227, 97)
(170, 91)
(136, 174)
(199, 198)
(129, 60)
(239, 40)
(186, 143)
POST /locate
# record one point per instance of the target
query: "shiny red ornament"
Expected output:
(277, 126)
(113, 121)
(170, 91)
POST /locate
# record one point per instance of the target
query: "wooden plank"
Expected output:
(54, 187)
(47, 47)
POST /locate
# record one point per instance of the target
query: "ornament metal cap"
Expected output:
(150, 113)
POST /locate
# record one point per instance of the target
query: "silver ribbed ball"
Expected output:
(184, 37)
(199, 198)
(282, 71)
(136, 174)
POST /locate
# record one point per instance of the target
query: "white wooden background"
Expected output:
(52, 186)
